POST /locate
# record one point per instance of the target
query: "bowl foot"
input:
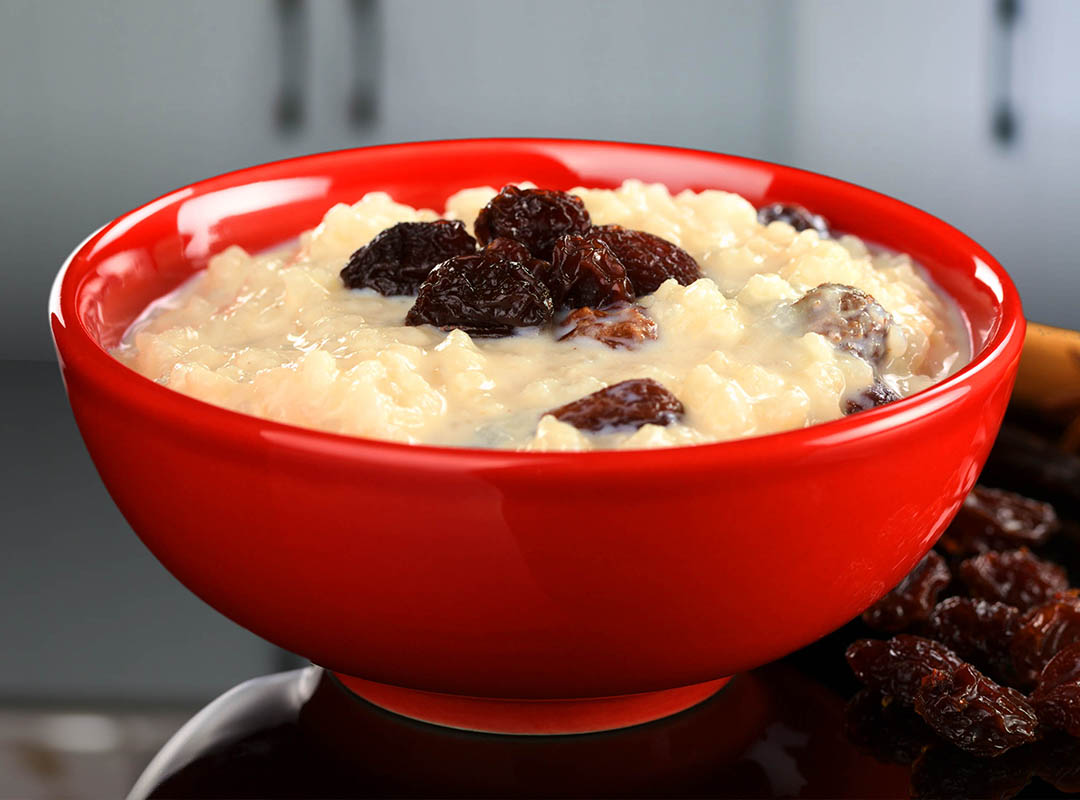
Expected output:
(531, 717)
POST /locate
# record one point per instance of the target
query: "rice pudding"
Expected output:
(749, 323)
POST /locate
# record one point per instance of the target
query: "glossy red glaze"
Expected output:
(522, 575)
(532, 717)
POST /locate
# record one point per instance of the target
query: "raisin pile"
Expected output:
(542, 263)
(992, 668)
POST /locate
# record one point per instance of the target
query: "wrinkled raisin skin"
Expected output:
(897, 666)
(974, 713)
(848, 317)
(795, 216)
(616, 326)
(888, 731)
(978, 631)
(877, 394)
(584, 272)
(994, 519)
(534, 217)
(1057, 697)
(1014, 577)
(484, 294)
(632, 403)
(399, 258)
(1043, 632)
(649, 260)
(514, 251)
(913, 599)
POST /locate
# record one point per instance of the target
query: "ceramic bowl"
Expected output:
(507, 591)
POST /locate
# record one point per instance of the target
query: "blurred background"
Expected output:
(969, 109)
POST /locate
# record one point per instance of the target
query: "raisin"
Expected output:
(1014, 577)
(974, 713)
(978, 631)
(848, 317)
(584, 272)
(1057, 697)
(912, 599)
(399, 259)
(637, 402)
(1043, 632)
(515, 251)
(622, 325)
(534, 217)
(795, 216)
(888, 731)
(877, 394)
(484, 294)
(649, 260)
(943, 773)
(895, 667)
(993, 519)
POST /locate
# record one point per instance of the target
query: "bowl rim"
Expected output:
(206, 420)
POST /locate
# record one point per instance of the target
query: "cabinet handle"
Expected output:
(366, 55)
(293, 46)
(1003, 119)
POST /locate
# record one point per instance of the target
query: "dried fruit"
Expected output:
(974, 713)
(978, 631)
(515, 251)
(848, 317)
(912, 599)
(637, 402)
(584, 272)
(398, 259)
(888, 731)
(1043, 632)
(484, 294)
(943, 773)
(897, 666)
(994, 519)
(1057, 697)
(1014, 577)
(649, 260)
(622, 325)
(877, 394)
(534, 217)
(795, 216)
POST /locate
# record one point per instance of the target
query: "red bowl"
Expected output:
(446, 583)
